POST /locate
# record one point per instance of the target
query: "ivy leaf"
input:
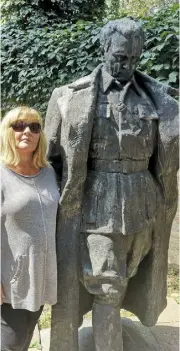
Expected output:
(159, 47)
(173, 77)
(90, 66)
(51, 55)
(94, 39)
(70, 63)
(146, 54)
(157, 67)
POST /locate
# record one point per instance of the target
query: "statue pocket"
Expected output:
(89, 210)
(103, 110)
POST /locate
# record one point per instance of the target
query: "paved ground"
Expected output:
(162, 337)
(174, 241)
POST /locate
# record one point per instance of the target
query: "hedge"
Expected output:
(38, 58)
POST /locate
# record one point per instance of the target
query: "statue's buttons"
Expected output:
(121, 106)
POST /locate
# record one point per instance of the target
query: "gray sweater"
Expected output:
(28, 250)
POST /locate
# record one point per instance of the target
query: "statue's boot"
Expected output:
(107, 328)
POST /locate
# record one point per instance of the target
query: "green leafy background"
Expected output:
(40, 51)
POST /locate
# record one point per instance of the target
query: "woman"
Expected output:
(30, 199)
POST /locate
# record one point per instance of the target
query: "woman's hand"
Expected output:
(1, 295)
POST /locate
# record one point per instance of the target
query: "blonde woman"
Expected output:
(30, 199)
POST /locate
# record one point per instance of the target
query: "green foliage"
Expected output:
(52, 10)
(161, 52)
(35, 345)
(37, 60)
(38, 57)
(45, 319)
(137, 8)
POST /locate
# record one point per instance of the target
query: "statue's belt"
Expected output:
(118, 166)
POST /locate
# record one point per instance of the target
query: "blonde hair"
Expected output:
(9, 154)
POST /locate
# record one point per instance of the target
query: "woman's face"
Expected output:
(26, 141)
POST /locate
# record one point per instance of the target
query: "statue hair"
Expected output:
(126, 27)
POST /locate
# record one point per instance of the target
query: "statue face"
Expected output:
(122, 56)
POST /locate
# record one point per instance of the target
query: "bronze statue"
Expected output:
(116, 133)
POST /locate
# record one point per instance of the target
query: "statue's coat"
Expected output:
(68, 128)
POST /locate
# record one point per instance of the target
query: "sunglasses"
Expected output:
(20, 126)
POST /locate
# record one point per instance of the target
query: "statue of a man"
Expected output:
(116, 133)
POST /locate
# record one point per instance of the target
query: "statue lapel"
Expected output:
(77, 110)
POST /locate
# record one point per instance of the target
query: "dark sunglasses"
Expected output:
(20, 126)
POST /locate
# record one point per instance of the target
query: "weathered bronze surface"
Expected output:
(116, 132)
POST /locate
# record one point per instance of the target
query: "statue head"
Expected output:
(122, 43)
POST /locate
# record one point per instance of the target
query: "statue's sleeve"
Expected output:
(53, 132)
(164, 163)
(167, 163)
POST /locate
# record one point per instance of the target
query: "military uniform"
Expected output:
(117, 225)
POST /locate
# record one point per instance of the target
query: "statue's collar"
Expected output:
(107, 80)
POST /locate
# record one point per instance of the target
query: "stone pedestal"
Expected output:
(164, 336)
(136, 337)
